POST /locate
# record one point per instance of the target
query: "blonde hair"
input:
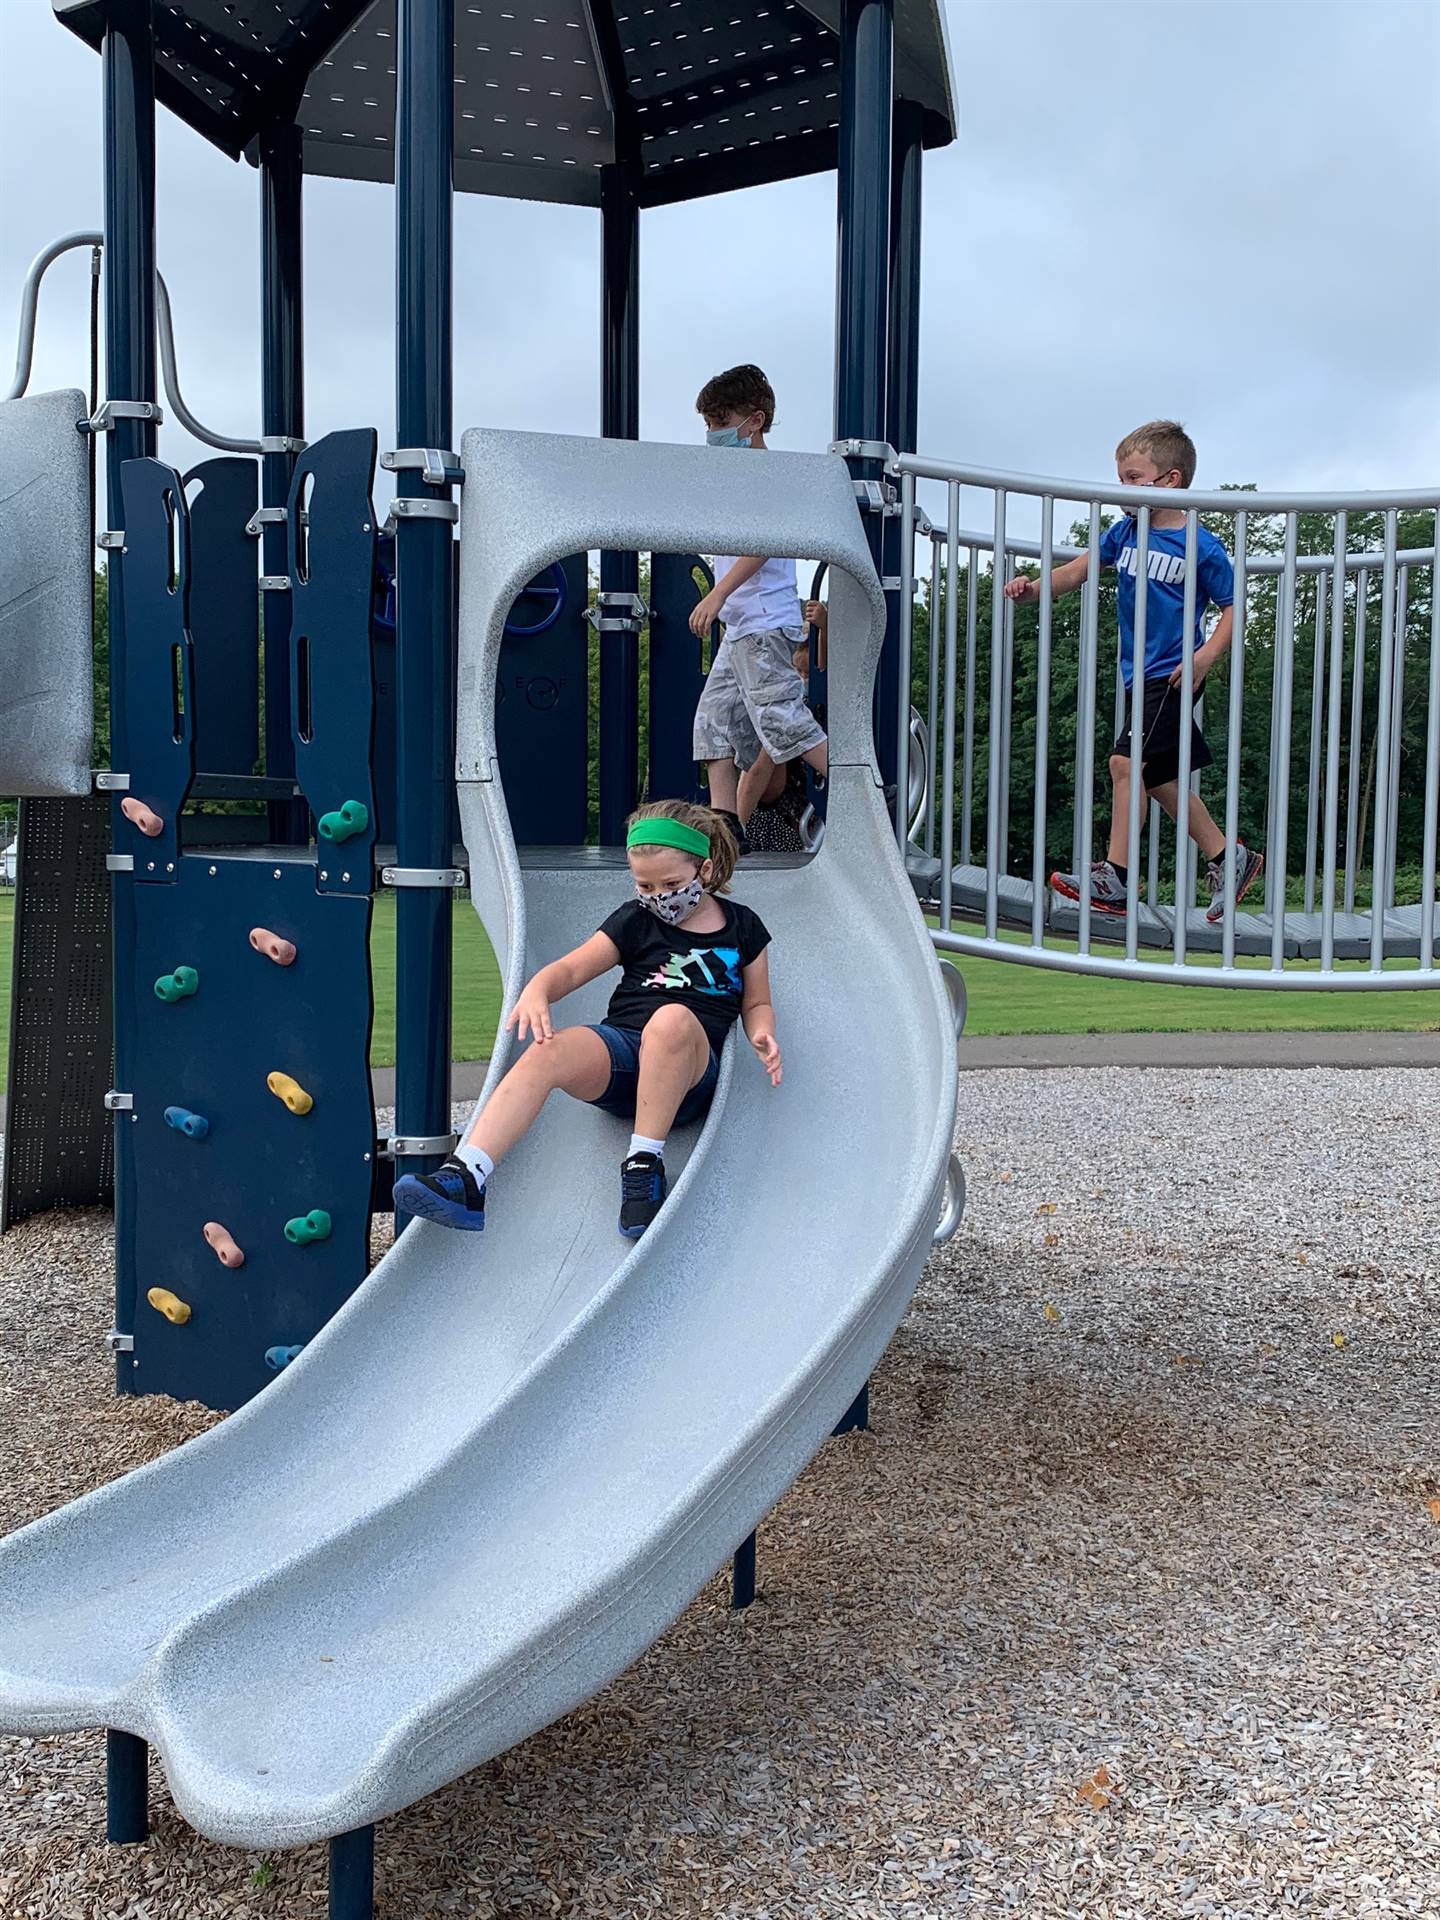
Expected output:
(1166, 443)
(724, 854)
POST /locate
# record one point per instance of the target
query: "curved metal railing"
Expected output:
(1335, 608)
(165, 328)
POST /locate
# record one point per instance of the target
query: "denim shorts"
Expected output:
(623, 1045)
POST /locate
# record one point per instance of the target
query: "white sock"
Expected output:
(639, 1144)
(480, 1164)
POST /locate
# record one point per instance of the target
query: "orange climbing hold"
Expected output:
(143, 817)
(223, 1242)
(282, 952)
(290, 1091)
(175, 1310)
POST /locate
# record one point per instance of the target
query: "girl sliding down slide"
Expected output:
(693, 964)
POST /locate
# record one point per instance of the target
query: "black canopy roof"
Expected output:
(708, 95)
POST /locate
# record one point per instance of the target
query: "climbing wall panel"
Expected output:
(253, 1111)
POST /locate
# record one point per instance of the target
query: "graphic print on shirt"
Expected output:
(703, 970)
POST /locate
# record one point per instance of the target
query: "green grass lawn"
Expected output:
(1003, 998)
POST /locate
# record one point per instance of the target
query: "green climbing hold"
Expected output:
(346, 822)
(178, 985)
(314, 1225)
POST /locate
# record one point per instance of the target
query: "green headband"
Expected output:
(659, 832)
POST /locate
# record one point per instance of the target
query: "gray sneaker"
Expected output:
(1107, 889)
(1248, 868)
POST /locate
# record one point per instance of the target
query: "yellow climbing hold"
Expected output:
(290, 1091)
(175, 1310)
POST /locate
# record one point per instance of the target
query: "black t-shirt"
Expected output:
(702, 971)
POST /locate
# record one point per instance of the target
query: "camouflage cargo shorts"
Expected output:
(754, 698)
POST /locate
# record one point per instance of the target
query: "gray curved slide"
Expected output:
(513, 1458)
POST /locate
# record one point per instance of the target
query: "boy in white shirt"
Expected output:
(752, 715)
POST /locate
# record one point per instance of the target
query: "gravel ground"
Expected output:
(1126, 1608)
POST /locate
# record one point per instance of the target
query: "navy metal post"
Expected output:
(867, 60)
(901, 397)
(128, 78)
(127, 1789)
(742, 1575)
(425, 595)
(619, 572)
(352, 1875)
(282, 417)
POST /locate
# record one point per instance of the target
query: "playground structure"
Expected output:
(585, 1396)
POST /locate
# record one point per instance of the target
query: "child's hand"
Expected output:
(1022, 588)
(531, 1016)
(705, 615)
(1200, 663)
(817, 614)
(767, 1048)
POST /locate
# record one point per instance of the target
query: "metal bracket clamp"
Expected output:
(617, 613)
(104, 419)
(119, 1342)
(408, 507)
(409, 1146)
(437, 466)
(266, 517)
(119, 863)
(891, 583)
(119, 1102)
(422, 876)
(274, 582)
(281, 443)
(112, 782)
(110, 540)
(865, 450)
(875, 496)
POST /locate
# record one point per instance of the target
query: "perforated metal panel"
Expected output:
(58, 1137)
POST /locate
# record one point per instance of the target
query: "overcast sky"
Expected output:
(1225, 210)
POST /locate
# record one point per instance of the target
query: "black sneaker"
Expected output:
(642, 1192)
(451, 1196)
(732, 820)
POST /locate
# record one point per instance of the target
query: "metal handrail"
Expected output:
(1345, 590)
(25, 350)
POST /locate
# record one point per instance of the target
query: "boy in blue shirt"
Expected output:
(1160, 454)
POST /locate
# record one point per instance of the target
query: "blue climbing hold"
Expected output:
(193, 1125)
(278, 1358)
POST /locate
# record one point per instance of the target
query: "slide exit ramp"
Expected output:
(513, 1458)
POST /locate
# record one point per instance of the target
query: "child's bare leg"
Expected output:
(724, 785)
(818, 758)
(1201, 825)
(576, 1061)
(753, 782)
(674, 1054)
(1118, 853)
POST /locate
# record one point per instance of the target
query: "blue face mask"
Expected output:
(725, 437)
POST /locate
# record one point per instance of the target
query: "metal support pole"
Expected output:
(352, 1875)
(282, 412)
(892, 700)
(619, 572)
(862, 307)
(856, 1417)
(425, 598)
(128, 69)
(127, 1789)
(742, 1575)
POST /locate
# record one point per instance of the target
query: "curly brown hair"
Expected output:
(724, 854)
(738, 390)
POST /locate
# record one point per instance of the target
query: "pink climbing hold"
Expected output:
(143, 817)
(282, 952)
(223, 1242)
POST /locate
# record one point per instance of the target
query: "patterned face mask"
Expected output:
(675, 906)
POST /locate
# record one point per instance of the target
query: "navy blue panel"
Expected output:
(332, 575)
(225, 615)
(258, 1165)
(677, 673)
(542, 708)
(159, 677)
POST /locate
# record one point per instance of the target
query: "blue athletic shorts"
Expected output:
(623, 1045)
